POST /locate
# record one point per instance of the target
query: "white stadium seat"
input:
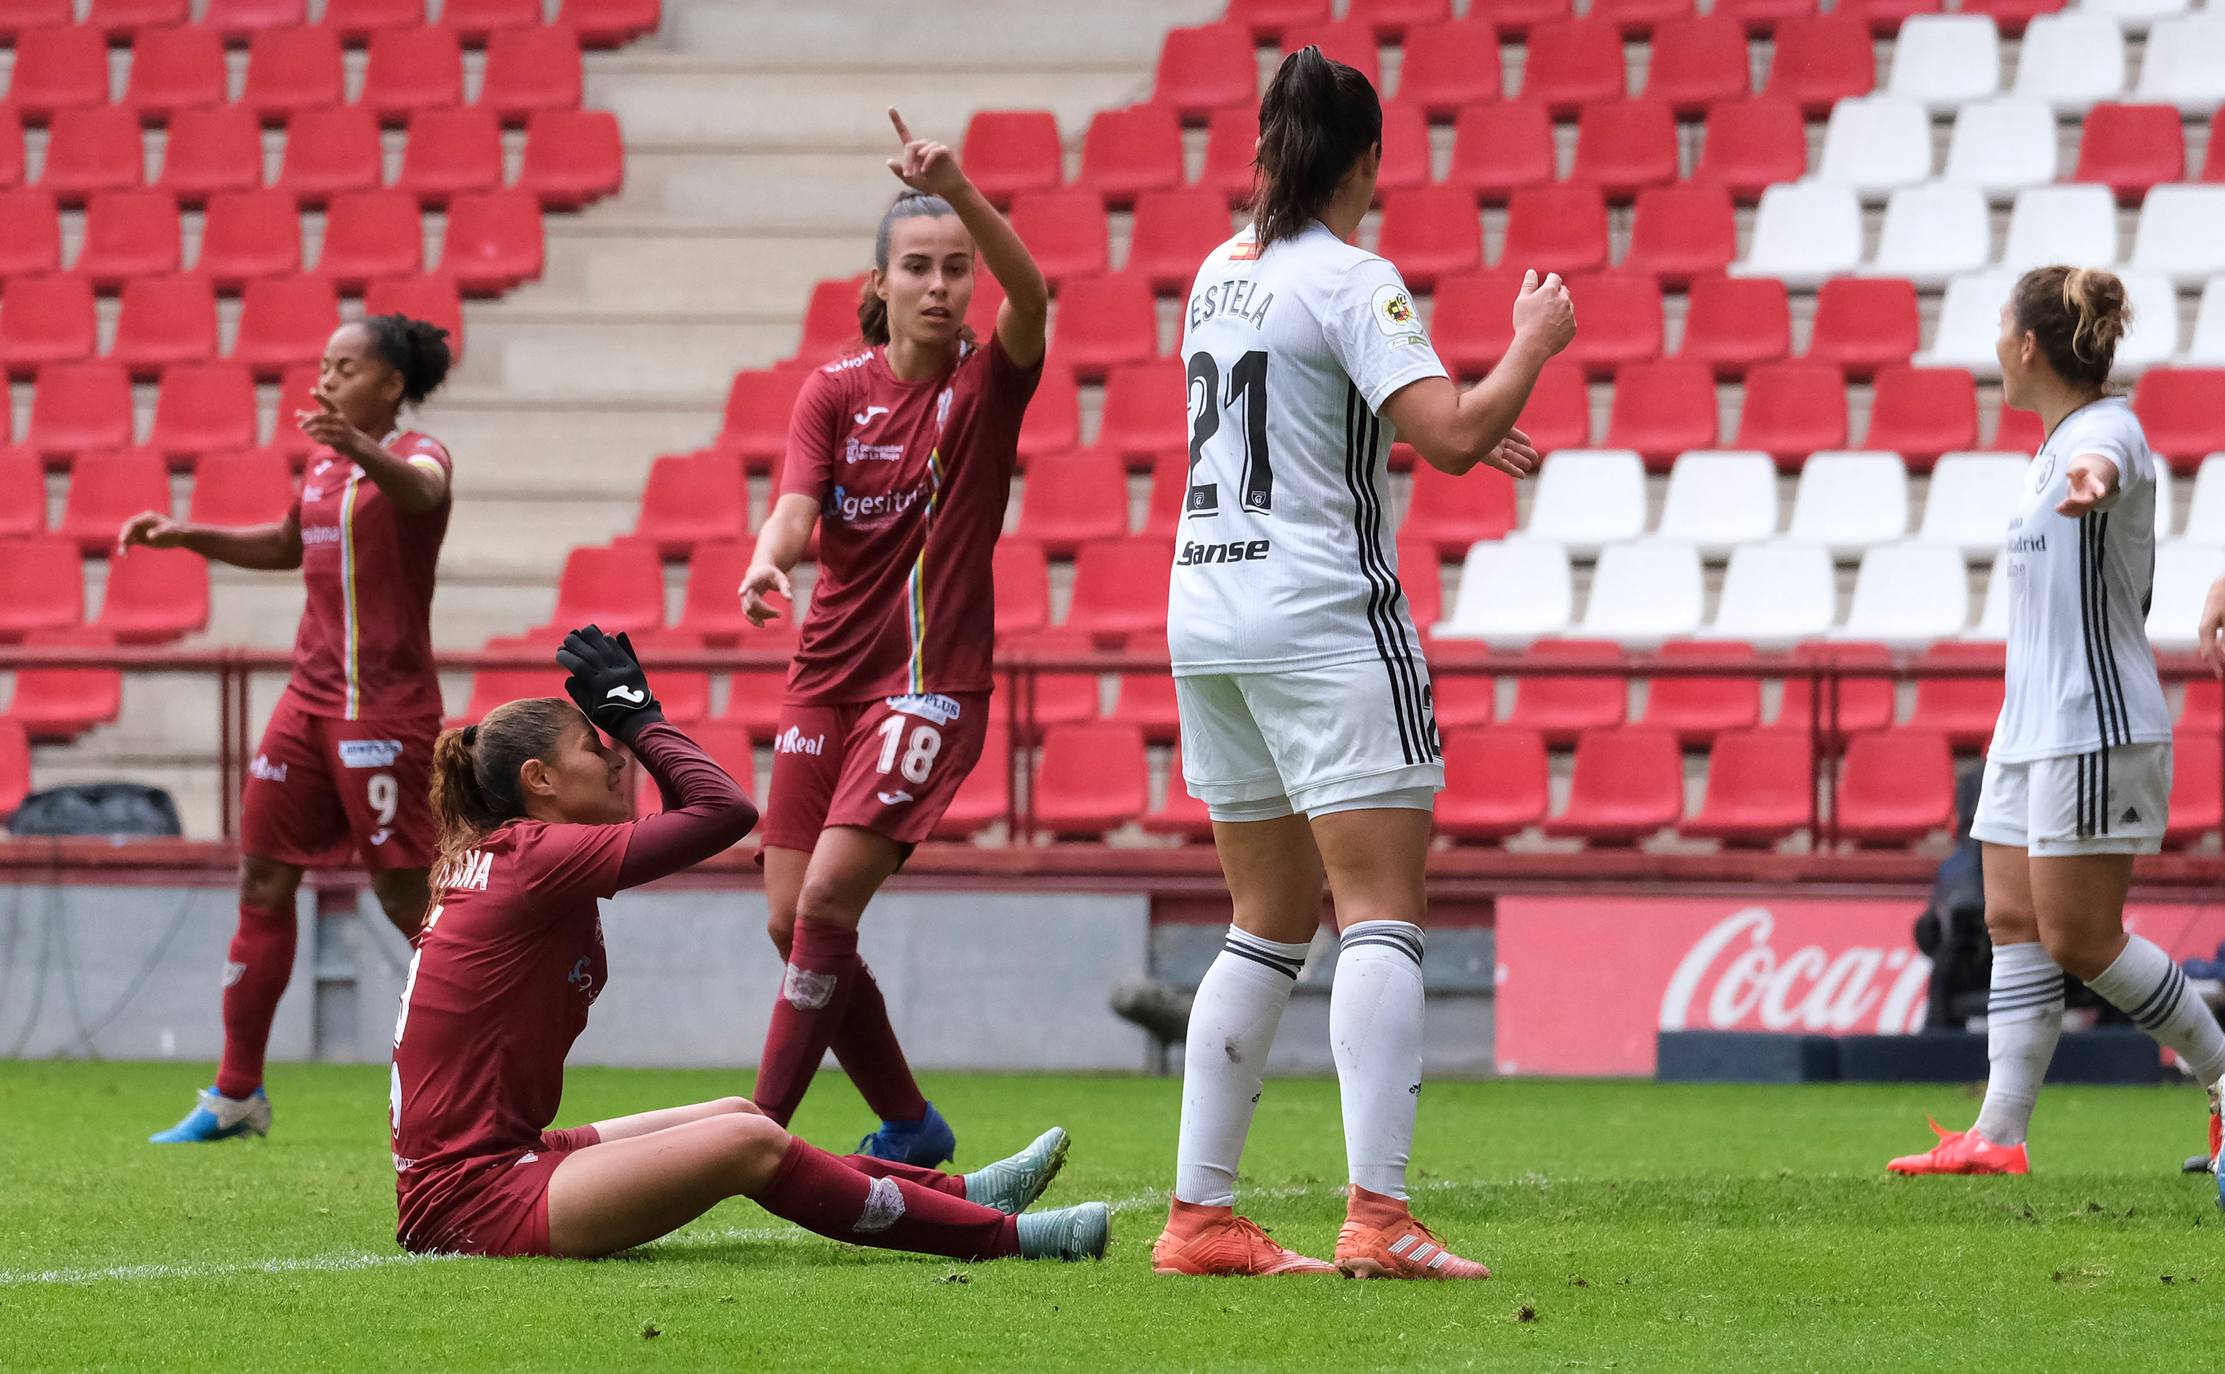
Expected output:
(2182, 232)
(1512, 591)
(1945, 60)
(2074, 224)
(1932, 232)
(1993, 616)
(2184, 64)
(2205, 512)
(2207, 347)
(1776, 594)
(1587, 499)
(1850, 501)
(2003, 146)
(1718, 500)
(1907, 596)
(1875, 145)
(1969, 323)
(2153, 337)
(2184, 570)
(2070, 61)
(1804, 232)
(1970, 499)
(1644, 592)
(2134, 16)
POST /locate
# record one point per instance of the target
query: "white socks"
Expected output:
(1232, 1023)
(2148, 986)
(2024, 1019)
(1375, 1032)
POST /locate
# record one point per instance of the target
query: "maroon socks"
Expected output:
(260, 962)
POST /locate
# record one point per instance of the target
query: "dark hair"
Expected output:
(475, 769)
(417, 350)
(1317, 119)
(872, 310)
(2077, 315)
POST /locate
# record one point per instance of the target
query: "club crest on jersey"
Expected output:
(369, 753)
(1394, 314)
(263, 768)
(2042, 471)
(928, 706)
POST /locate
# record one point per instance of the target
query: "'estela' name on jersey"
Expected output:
(1231, 297)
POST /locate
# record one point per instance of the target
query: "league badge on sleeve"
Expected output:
(1394, 314)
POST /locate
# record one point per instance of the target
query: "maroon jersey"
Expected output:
(365, 647)
(911, 480)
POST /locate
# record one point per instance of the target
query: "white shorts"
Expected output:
(1349, 737)
(2112, 801)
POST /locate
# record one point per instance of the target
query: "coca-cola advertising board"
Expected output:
(1585, 983)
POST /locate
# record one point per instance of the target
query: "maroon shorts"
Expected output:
(889, 766)
(500, 1206)
(320, 785)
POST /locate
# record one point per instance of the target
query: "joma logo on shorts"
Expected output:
(1240, 551)
(794, 741)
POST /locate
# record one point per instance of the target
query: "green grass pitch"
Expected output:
(1631, 1226)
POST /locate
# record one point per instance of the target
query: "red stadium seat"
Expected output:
(1054, 417)
(1021, 575)
(494, 241)
(1146, 701)
(1572, 63)
(129, 234)
(11, 147)
(1448, 67)
(1762, 16)
(120, 20)
(106, 489)
(1447, 514)
(758, 407)
(2197, 805)
(1172, 232)
(685, 695)
(1060, 698)
(2178, 408)
(1073, 500)
(2213, 159)
(1497, 149)
(1514, 18)
(1663, 408)
(210, 151)
(725, 743)
(611, 23)
(1963, 709)
(1561, 708)
(251, 487)
(249, 234)
(1065, 230)
(1170, 489)
(411, 71)
(1560, 228)
(1623, 146)
(1864, 703)
(573, 158)
(2016, 431)
(431, 298)
(1864, 323)
(1751, 145)
(1206, 68)
(830, 319)
(62, 703)
(240, 20)
(15, 768)
(331, 152)
(2131, 149)
(284, 321)
(1104, 322)
(529, 70)
(1922, 412)
(452, 153)
(1459, 700)
(1699, 61)
(1496, 783)
(1793, 408)
(1399, 20)
(475, 20)
(1090, 779)
(710, 608)
(1559, 412)
(80, 408)
(1697, 709)
(1820, 60)
(1637, 18)
(22, 493)
(2202, 708)
(204, 408)
(1265, 20)
(1430, 232)
(1406, 149)
(371, 234)
(1120, 589)
(984, 798)
(91, 151)
(41, 586)
(1733, 323)
(2009, 16)
(1179, 814)
(1421, 583)
(46, 319)
(1682, 233)
(491, 687)
(1471, 319)
(297, 391)
(360, 21)
(58, 69)
(18, 17)
(1131, 151)
(1007, 152)
(1146, 413)
(1627, 784)
(173, 70)
(1896, 787)
(1340, 40)
(1622, 321)
(1231, 141)
(1884, 17)
(291, 70)
(617, 586)
(1760, 789)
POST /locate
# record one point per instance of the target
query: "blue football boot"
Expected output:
(924, 1143)
(216, 1117)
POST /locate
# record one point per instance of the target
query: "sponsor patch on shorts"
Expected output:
(369, 753)
(932, 706)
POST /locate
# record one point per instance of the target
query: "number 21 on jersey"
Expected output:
(1247, 382)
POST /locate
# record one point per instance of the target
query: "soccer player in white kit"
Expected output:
(2079, 771)
(1307, 726)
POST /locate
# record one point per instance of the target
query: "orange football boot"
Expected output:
(1963, 1152)
(1381, 1240)
(1214, 1240)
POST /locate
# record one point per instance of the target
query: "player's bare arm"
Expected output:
(1455, 430)
(2209, 636)
(262, 548)
(780, 543)
(415, 485)
(2093, 482)
(931, 167)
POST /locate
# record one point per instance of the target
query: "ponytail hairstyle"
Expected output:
(475, 770)
(2077, 315)
(872, 310)
(415, 349)
(1318, 117)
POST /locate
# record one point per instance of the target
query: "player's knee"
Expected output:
(268, 886)
(2081, 953)
(2008, 924)
(781, 926)
(825, 903)
(753, 1146)
(735, 1106)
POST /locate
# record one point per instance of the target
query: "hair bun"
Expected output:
(471, 735)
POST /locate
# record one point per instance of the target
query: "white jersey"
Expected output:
(2081, 676)
(1284, 556)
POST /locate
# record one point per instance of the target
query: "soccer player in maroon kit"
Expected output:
(901, 454)
(532, 809)
(348, 752)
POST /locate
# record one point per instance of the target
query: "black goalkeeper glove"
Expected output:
(607, 683)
